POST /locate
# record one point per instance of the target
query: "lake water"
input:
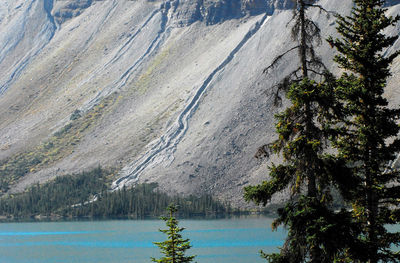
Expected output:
(222, 240)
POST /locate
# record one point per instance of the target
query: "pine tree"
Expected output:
(175, 246)
(369, 143)
(313, 234)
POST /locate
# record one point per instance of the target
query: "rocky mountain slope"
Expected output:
(169, 91)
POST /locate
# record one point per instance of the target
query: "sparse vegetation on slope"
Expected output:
(58, 146)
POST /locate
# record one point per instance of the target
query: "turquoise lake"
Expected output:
(223, 240)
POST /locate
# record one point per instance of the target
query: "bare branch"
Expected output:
(317, 63)
(278, 58)
(295, 15)
(322, 9)
(264, 151)
(284, 86)
(317, 73)
(314, 32)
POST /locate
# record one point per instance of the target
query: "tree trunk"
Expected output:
(372, 213)
(303, 40)
(315, 254)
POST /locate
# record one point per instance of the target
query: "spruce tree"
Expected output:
(313, 234)
(175, 246)
(369, 143)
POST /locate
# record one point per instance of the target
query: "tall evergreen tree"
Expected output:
(302, 130)
(175, 246)
(369, 143)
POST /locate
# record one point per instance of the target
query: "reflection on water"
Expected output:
(225, 240)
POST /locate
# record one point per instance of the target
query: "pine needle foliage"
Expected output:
(313, 234)
(303, 133)
(175, 246)
(369, 143)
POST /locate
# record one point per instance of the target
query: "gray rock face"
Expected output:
(185, 101)
(391, 2)
(216, 11)
(187, 12)
(65, 10)
(26, 27)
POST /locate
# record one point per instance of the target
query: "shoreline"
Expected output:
(199, 216)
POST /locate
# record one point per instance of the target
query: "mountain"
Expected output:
(164, 91)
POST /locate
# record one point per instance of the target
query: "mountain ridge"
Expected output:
(131, 70)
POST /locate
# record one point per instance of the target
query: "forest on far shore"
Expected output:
(87, 195)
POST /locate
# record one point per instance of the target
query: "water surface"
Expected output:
(223, 240)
